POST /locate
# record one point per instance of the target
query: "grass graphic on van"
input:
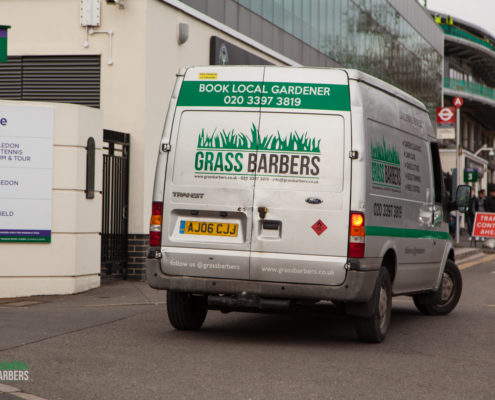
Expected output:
(381, 152)
(230, 140)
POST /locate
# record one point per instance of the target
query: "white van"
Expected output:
(277, 186)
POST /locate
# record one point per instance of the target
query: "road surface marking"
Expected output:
(123, 304)
(402, 301)
(485, 259)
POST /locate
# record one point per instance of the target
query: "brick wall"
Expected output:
(136, 257)
(138, 248)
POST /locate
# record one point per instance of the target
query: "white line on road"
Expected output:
(123, 304)
(485, 259)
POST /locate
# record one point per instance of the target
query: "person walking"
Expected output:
(490, 200)
(470, 213)
(490, 207)
(480, 206)
(481, 200)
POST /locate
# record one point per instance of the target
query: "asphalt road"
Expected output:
(116, 343)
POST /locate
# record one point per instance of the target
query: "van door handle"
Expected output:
(272, 225)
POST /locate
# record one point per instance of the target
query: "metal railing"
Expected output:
(469, 87)
(455, 31)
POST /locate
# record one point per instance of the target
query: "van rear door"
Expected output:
(208, 197)
(258, 176)
(303, 171)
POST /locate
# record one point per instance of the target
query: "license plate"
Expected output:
(208, 228)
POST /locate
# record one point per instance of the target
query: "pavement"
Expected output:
(471, 249)
(34, 319)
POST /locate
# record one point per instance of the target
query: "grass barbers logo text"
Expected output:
(14, 371)
(235, 153)
(385, 165)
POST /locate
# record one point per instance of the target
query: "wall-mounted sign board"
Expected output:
(26, 166)
(446, 123)
(3, 43)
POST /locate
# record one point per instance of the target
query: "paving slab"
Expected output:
(7, 388)
(8, 396)
(36, 318)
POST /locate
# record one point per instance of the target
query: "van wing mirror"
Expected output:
(462, 195)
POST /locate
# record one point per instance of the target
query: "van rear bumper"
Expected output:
(357, 287)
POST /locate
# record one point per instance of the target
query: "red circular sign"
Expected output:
(445, 115)
(458, 102)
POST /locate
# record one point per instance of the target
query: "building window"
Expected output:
(369, 35)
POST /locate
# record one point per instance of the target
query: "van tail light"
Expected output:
(356, 235)
(156, 224)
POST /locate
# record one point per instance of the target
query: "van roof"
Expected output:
(353, 74)
(357, 75)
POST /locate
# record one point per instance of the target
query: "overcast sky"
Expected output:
(478, 12)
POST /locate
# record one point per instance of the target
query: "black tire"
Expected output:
(373, 329)
(186, 311)
(451, 290)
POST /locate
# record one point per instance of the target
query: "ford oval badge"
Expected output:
(313, 200)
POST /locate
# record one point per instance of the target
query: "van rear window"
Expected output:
(295, 150)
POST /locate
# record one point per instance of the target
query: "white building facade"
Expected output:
(122, 56)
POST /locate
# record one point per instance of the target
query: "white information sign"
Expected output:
(446, 123)
(26, 166)
(446, 133)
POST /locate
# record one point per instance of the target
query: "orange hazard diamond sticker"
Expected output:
(319, 227)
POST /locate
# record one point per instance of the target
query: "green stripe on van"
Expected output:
(312, 96)
(406, 233)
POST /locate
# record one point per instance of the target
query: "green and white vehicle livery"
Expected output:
(282, 186)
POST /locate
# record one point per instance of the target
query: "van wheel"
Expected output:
(451, 290)
(374, 328)
(186, 311)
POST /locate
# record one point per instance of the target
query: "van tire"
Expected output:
(451, 290)
(373, 329)
(186, 311)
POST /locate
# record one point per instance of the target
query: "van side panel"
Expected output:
(161, 163)
(400, 202)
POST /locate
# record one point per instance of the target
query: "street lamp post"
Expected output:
(457, 166)
(485, 148)
(458, 104)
